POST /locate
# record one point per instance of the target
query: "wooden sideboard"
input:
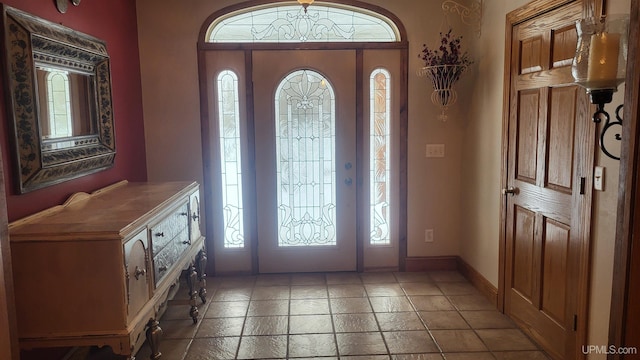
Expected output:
(100, 269)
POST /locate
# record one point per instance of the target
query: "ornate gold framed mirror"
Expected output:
(58, 85)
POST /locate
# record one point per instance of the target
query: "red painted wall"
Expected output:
(113, 21)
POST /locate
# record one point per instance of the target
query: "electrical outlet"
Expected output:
(428, 235)
(435, 151)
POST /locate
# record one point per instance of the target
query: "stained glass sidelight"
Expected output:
(305, 153)
(289, 23)
(230, 159)
(380, 163)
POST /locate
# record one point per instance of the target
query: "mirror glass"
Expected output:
(59, 98)
(65, 109)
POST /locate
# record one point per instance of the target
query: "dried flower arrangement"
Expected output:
(444, 66)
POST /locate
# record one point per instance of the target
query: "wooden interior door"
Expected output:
(548, 197)
(305, 121)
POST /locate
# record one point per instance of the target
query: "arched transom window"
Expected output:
(288, 23)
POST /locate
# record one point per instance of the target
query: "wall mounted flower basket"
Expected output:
(443, 77)
(443, 67)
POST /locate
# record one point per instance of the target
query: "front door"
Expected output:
(548, 197)
(305, 126)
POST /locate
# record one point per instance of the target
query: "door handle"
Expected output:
(348, 166)
(348, 181)
(510, 190)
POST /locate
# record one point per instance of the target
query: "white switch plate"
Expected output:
(428, 235)
(435, 150)
(598, 178)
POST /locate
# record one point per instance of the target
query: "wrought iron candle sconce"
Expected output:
(599, 66)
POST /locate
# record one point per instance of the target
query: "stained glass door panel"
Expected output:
(305, 150)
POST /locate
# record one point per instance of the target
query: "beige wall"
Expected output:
(168, 33)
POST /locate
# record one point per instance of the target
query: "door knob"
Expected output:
(347, 165)
(348, 181)
(510, 190)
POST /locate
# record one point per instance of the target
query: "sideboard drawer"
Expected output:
(168, 228)
(164, 260)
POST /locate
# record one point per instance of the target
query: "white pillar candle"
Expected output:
(603, 57)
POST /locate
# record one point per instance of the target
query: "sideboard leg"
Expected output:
(192, 276)
(154, 336)
(201, 264)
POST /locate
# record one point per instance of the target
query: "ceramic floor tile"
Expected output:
(399, 321)
(262, 347)
(458, 288)
(383, 290)
(268, 307)
(312, 345)
(309, 307)
(273, 279)
(350, 305)
(347, 290)
(506, 340)
(417, 357)
(370, 343)
(178, 312)
(390, 304)
(310, 324)
(175, 349)
(220, 327)
(440, 320)
(270, 292)
(417, 288)
(446, 276)
(409, 342)
(489, 319)
(178, 329)
(471, 302)
(309, 292)
(234, 281)
(355, 323)
(431, 303)
(343, 278)
(308, 279)
(458, 340)
(470, 356)
(232, 294)
(220, 309)
(266, 325)
(223, 348)
(344, 315)
(521, 355)
(405, 277)
(378, 278)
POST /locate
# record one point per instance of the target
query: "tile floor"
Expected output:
(434, 315)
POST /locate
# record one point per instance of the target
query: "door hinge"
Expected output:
(575, 321)
(583, 180)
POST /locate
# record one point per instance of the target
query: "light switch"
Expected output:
(435, 150)
(598, 178)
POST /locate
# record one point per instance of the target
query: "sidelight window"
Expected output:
(230, 159)
(380, 160)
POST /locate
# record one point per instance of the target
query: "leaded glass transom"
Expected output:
(287, 23)
(230, 153)
(380, 163)
(305, 153)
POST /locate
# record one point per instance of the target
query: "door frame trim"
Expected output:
(209, 128)
(515, 17)
(627, 249)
